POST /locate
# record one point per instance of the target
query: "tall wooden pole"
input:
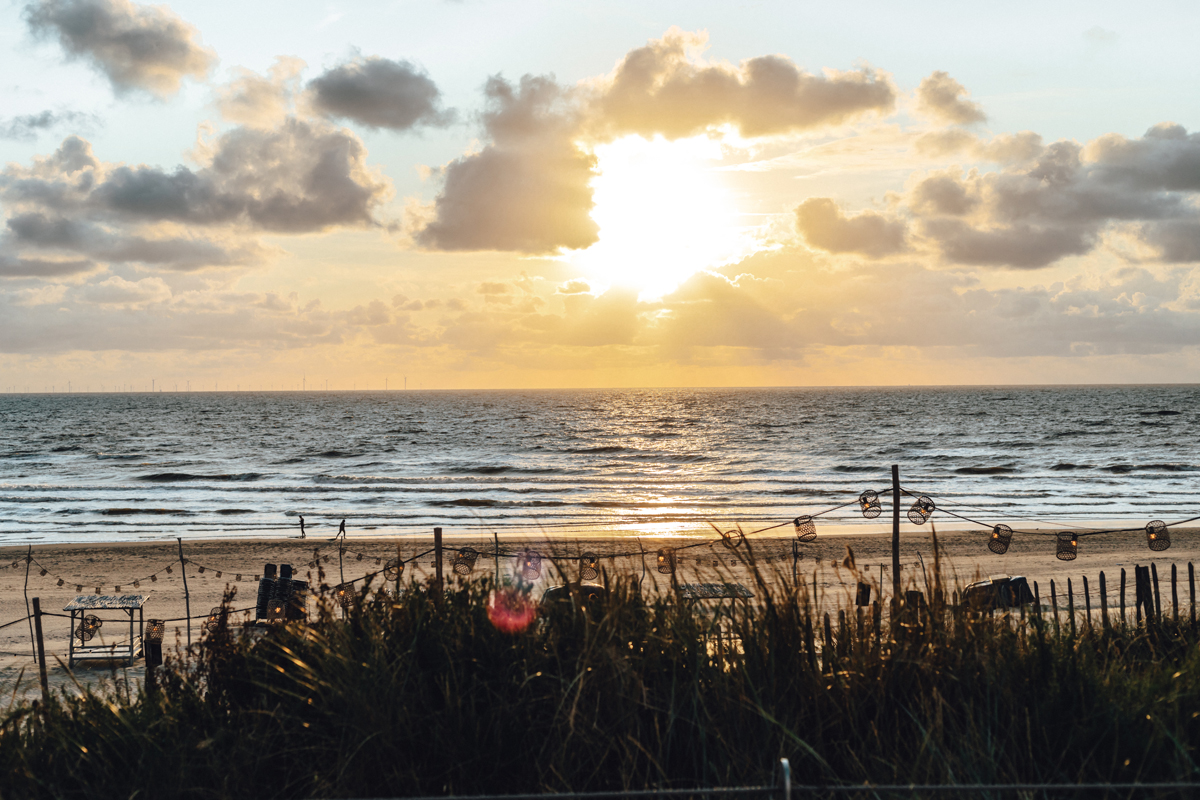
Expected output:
(437, 561)
(187, 598)
(41, 647)
(895, 533)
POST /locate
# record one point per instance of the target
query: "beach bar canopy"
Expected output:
(83, 620)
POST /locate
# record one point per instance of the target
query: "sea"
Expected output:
(150, 466)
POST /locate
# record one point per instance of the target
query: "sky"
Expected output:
(490, 195)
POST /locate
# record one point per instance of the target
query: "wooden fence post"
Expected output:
(1123, 620)
(1192, 590)
(41, 647)
(1054, 601)
(1157, 595)
(1071, 606)
(1103, 601)
(1174, 595)
(810, 643)
(187, 597)
(437, 563)
(827, 660)
(1087, 604)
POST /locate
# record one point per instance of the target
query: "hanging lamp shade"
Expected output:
(666, 561)
(1001, 538)
(393, 569)
(868, 503)
(343, 593)
(921, 510)
(93, 622)
(155, 630)
(589, 567)
(84, 634)
(1068, 546)
(1158, 537)
(214, 619)
(806, 528)
(531, 565)
(464, 561)
(732, 538)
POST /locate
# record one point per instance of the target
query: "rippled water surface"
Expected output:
(114, 467)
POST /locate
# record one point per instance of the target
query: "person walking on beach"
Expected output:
(303, 535)
(341, 534)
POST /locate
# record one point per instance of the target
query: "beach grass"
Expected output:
(424, 694)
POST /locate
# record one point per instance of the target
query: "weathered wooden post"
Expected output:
(1103, 601)
(810, 644)
(187, 598)
(895, 540)
(1123, 620)
(1087, 604)
(1174, 595)
(1054, 602)
(1192, 591)
(1157, 597)
(437, 564)
(827, 661)
(1071, 606)
(41, 647)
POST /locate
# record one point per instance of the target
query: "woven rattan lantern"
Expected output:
(1001, 538)
(1068, 546)
(93, 622)
(393, 569)
(531, 565)
(84, 634)
(464, 561)
(156, 629)
(342, 594)
(1157, 535)
(921, 510)
(215, 618)
(732, 539)
(666, 561)
(868, 503)
(589, 567)
(806, 528)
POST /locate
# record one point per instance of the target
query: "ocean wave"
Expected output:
(1005, 470)
(183, 477)
(611, 448)
(124, 512)
(857, 468)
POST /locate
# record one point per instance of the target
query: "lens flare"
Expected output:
(510, 610)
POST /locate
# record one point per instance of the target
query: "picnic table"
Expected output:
(80, 607)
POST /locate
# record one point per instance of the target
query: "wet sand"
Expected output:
(701, 558)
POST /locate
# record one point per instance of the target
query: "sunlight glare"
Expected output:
(663, 213)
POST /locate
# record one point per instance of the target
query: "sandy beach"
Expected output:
(215, 566)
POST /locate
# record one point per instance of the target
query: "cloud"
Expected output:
(823, 225)
(666, 88)
(1065, 199)
(298, 177)
(16, 267)
(27, 126)
(380, 93)
(1008, 148)
(941, 97)
(528, 190)
(138, 48)
(37, 230)
(263, 102)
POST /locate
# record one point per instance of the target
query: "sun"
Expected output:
(664, 214)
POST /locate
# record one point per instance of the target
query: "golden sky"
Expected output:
(205, 196)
